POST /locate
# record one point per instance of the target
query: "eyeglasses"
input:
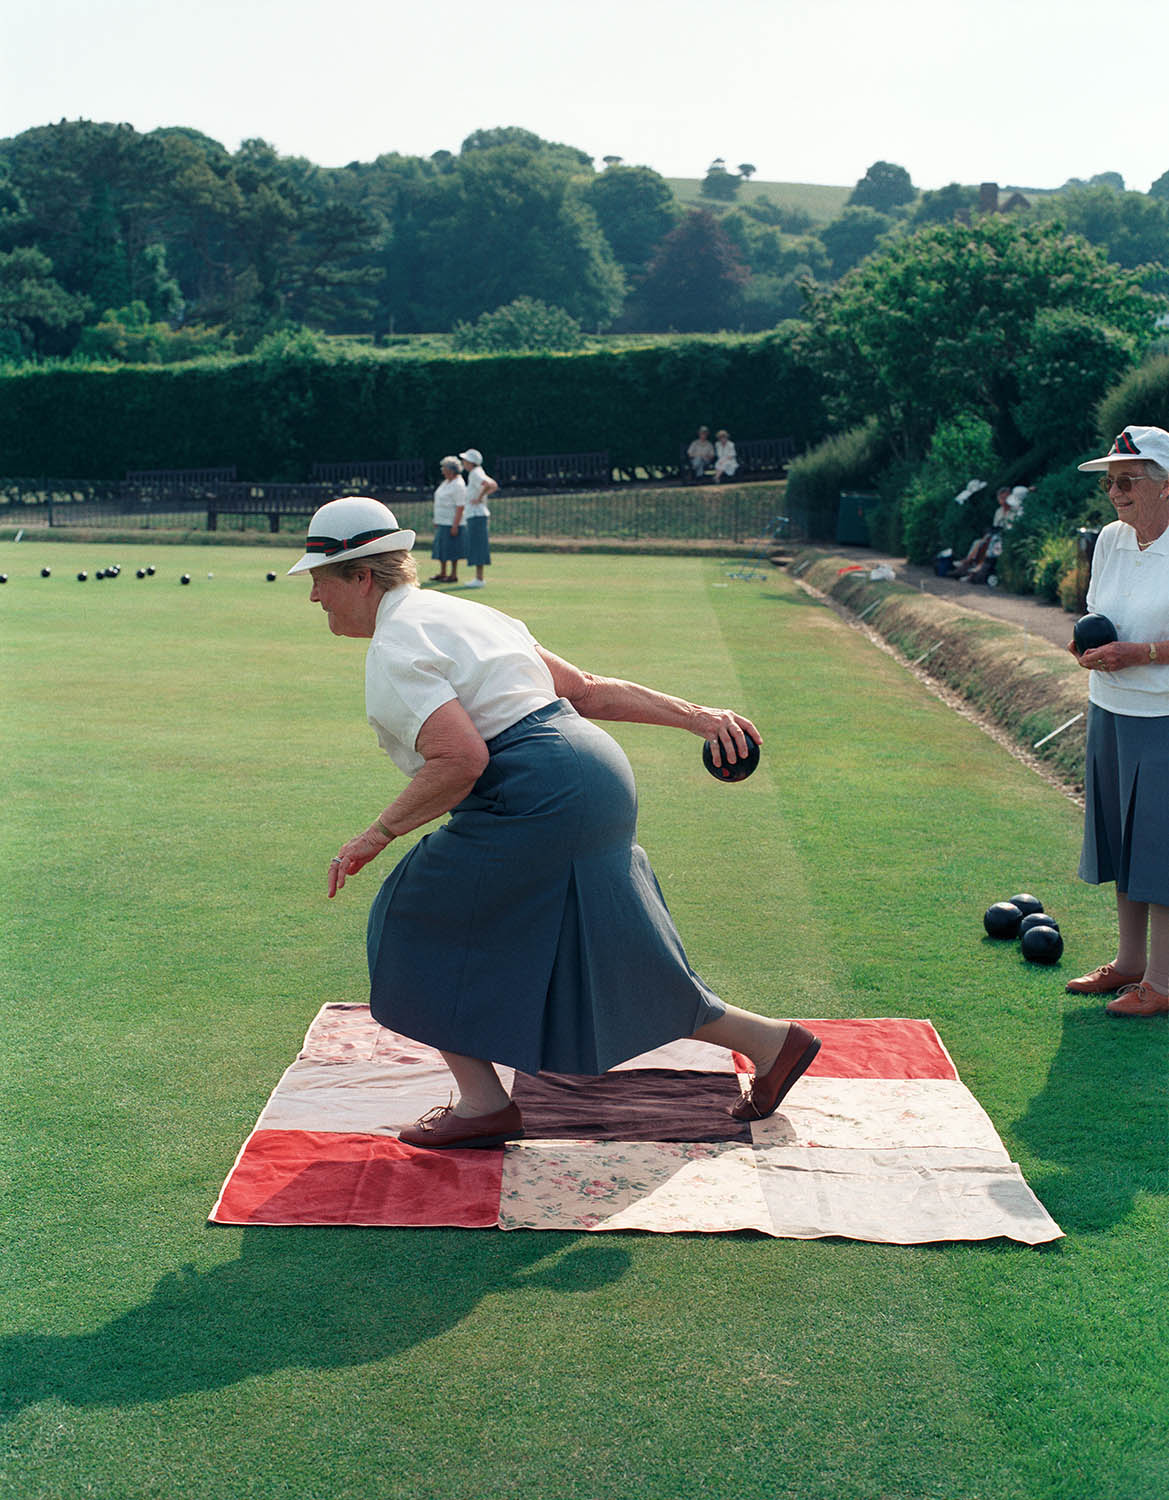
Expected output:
(1123, 482)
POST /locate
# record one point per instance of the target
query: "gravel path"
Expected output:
(1035, 616)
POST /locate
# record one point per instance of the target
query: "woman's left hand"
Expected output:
(727, 734)
(354, 856)
(1115, 656)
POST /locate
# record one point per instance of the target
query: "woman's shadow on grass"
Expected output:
(295, 1299)
(1100, 1120)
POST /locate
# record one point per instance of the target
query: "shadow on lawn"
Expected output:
(295, 1299)
(1100, 1118)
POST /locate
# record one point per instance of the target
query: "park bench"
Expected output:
(755, 455)
(373, 474)
(553, 470)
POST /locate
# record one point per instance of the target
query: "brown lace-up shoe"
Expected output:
(1102, 981)
(769, 1091)
(1139, 1000)
(441, 1128)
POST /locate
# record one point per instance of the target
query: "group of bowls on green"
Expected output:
(114, 571)
(1023, 917)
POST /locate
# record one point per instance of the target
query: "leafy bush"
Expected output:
(1142, 397)
(523, 324)
(848, 461)
(961, 449)
(1057, 558)
(129, 336)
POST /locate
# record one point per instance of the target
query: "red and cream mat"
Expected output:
(879, 1141)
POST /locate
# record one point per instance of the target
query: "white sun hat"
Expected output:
(472, 456)
(1135, 442)
(353, 527)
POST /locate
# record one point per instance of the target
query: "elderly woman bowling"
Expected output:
(565, 957)
(1126, 828)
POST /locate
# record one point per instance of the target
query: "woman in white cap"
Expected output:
(1126, 829)
(565, 958)
(479, 487)
(450, 502)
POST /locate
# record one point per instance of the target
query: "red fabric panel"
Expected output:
(315, 1177)
(879, 1048)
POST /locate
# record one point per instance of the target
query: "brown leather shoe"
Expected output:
(767, 1093)
(1139, 1000)
(1102, 981)
(441, 1128)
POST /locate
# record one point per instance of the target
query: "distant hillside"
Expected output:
(823, 203)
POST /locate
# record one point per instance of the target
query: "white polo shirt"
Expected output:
(429, 648)
(1131, 587)
(476, 505)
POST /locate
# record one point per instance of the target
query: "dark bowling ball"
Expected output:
(1042, 945)
(1037, 919)
(46, 572)
(1002, 919)
(186, 578)
(81, 577)
(271, 577)
(150, 570)
(741, 769)
(141, 573)
(1091, 631)
(3, 577)
(1026, 904)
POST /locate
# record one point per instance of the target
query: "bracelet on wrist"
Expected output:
(379, 824)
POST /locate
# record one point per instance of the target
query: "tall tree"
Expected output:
(694, 278)
(944, 321)
(884, 186)
(636, 209)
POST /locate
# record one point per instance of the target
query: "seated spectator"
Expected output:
(700, 453)
(726, 460)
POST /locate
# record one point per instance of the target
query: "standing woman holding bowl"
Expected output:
(1126, 830)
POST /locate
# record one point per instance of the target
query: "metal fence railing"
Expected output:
(735, 514)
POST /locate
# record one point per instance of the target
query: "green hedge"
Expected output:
(274, 416)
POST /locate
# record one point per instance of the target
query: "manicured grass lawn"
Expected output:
(181, 763)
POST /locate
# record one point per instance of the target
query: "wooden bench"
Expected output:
(755, 455)
(374, 473)
(553, 470)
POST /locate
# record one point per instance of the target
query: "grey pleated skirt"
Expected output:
(1126, 797)
(529, 929)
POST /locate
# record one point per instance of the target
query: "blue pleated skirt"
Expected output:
(478, 545)
(1126, 804)
(447, 548)
(529, 929)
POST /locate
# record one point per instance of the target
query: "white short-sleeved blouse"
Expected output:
(1131, 587)
(476, 505)
(428, 649)
(449, 495)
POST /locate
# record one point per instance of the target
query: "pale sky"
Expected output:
(1021, 92)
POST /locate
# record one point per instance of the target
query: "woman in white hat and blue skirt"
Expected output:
(480, 485)
(565, 958)
(1126, 780)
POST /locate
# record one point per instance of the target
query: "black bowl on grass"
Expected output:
(1002, 920)
(1026, 903)
(1037, 919)
(1042, 945)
